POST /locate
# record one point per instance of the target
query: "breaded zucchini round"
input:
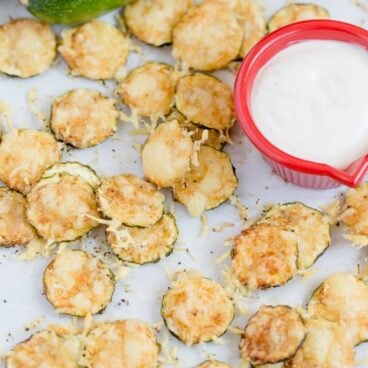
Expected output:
(273, 334)
(78, 284)
(149, 89)
(208, 37)
(14, 228)
(153, 21)
(83, 118)
(124, 343)
(43, 349)
(264, 256)
(27, 48)
(196, 309)
(24, 156)
(148, 244)
(343, 298)
(60, 206)
(166, 154)
(326, 345)
(95, 50)
(206, 101)
(295, 13)
(208, 185)
(213, 364)
(131, 200)
(310, 227)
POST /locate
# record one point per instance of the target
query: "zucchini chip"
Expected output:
(264, 256)
(166, 154)
(343, 298)
(78, 284)
(213, 364)
(43, 349)
(272, 335)
(325, 346)
(209, 184)
(83, 118)
(149, 89)
(206, 101)
(208, 37)
(153, 21)
(14, 228)
(27, 48)
(310, 227)
(295, 13)
(145, 245)
(196, 309)
(95, 50)
(124, 343)
(24, 156)
(60, 207)
(130, 200)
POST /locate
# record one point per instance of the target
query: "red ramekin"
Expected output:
(292, 169)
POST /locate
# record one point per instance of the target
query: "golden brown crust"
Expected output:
(213, 364)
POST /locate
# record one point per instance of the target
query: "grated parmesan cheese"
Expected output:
(242, 209)
(32, 102)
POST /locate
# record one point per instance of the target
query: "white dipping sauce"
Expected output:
(311, 101)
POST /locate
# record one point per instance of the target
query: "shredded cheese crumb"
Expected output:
(235, 330)
(5, 115)
(168, 355)
(35, 248)
(133, 118)
(197, 146)
(32, 102)
(220, 228)
(242, 210)
(359, 240)
(223, 257)
(204, 227)
(333, 210)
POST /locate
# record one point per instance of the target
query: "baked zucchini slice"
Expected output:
(295, 13)
(166, 154)
(28, 47)
(206, 101)
(273, 334)
(43, 349)
(145, 245)
(264, 256)
(209, 184)
(83, 118)
(149, 90)
(343, 298)
(213, 364)
(153, 21)
(24, 156)
(95, 50)
(83, 171)
(78, 284)
(123, 343)
(130, 200)
(14, 228)
(208, 37)
(196, 309)
(310, 227)
(60, 208)
(325, 345)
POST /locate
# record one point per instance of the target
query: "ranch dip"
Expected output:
(311, 101)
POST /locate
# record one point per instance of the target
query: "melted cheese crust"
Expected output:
(153, 21)
(95, 50)
(24, 156)
(343, 298)
(149, 244)
(295, 13)
(124, 343)
(149, 89)
(264, 256)
(44, 349)
(197, 309)
(208, 37)
(213, 364)
(272, 334)
(78, 284)
(206, 101)
(166, 154)
(325, 346)
(215, 138)
(84, 118)
(310, 228)
(27, 47)
(131, 200)
(59, 208)
(208, 185)
(14, 228)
